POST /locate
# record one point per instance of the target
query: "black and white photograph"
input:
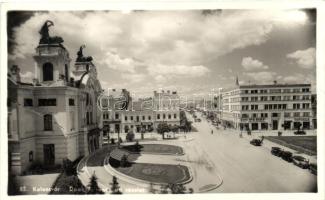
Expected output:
(161, 101)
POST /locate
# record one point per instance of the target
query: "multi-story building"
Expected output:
(56, 116)
(143, 113)
(267, 107)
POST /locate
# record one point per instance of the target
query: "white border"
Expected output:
(169, 5)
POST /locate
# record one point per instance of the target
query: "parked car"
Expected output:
(313, 168)
(287, 156)
(300, 161)
(301, 132)
(256, 142)
(276, 151)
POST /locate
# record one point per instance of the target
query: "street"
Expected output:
(247, 168)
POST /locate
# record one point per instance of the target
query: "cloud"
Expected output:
(250, 64)
(178, 70)
(114, 61)
(134, 78)
(261, 77)
(304, 58)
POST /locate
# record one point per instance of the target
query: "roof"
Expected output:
(274, 86)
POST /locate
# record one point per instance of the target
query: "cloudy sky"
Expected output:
(188, 51)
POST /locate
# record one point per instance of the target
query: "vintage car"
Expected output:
(301, 132)
(276, 151)
(313, 168)
(287, 156)
(300, 161)
(256, 142)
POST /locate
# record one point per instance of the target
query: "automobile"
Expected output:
(313, 168)
(256, 142)
(287, 156)
(276, 151)
(300, 161)
(300, 132)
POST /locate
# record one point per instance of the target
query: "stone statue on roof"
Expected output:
(45, 36)
(81, 57)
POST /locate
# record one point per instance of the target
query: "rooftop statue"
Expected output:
(45, 36)
(81, 57)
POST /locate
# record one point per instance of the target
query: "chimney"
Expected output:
(15, 71)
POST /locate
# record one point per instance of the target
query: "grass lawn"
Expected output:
(157, 173)
(156, 149)
(305, 142)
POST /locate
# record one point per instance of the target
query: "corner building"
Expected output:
(56, 116)
(267, 107)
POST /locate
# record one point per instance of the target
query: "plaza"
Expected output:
(218, 162)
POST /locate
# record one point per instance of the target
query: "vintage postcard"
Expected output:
(160, 101)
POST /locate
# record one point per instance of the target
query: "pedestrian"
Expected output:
(211, 131)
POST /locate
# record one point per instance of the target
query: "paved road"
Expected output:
(246, 168)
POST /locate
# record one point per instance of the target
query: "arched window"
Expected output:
(48, 122)
(66, 72)
(48, 72)
(31, 156)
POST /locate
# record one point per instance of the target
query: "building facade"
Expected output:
(143, 113)
(267, 107)
(56, 116)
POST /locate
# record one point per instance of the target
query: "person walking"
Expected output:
(212, 131)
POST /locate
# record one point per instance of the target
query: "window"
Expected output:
(244, 107)
(263, 98)
(244, 116)
(305, 97)
(117, 116)
(254, 98)
(286, 90)
(263, 91)
(264, 115)
(296, 97)
(286, 98)
(305, 105)
(149, 117)
(71, 102)
(126, 118)
(131, 118)
(164, 116)
(87, 116)
(244, 99)
(275, 91)
(143, 117)
(296, 114)
(28, 102)
(72, 121)
(169, 116)
(46, 102)
(31, 156)
(296, 106)
(48, 72)
(158, 116)
(296, 90)
(253, 91)
(254, 107)
(305, 89)
(138, 118)
(66, 72)
(254, 115)
(275, 115)
(175, 116)
(48, 122)
(287, 114)
(306, 114)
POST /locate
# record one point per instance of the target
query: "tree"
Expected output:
(115, 188)
(129, 136)
(93, 187)
(164, 189)
(151, 189)
(177, 188)
(162, 128)
(190, 191)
